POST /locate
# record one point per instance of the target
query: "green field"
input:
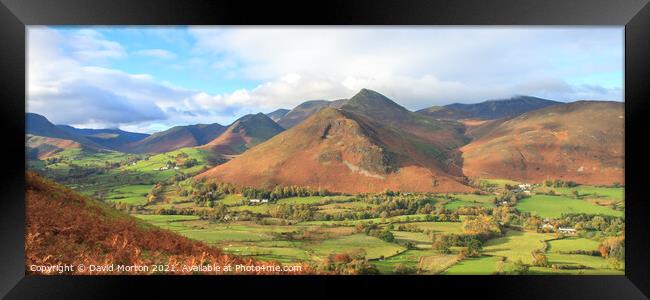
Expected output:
(572, 244)
(483, 265)
(422, 261)
(516, 245)
(588, 191)
(374, 247)
(554, 206)
(131, 194)
(455, 204)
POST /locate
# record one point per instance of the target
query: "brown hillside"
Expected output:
(176, 138)
(340, 151)
(41, 147)
(243, 134)
(581, 141)
(64, 227)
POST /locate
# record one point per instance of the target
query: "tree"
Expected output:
(539, 258)
(519, 268)
(402, 269)
(483, 225)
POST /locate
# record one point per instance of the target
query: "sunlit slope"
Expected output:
(339, 151)
(176, 138)
(581, 141)
(244, 133)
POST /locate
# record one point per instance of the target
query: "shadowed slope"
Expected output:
(277, 114)
(488, 110)
(109, 138)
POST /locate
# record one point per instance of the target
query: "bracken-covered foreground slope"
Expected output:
(340, 151)
(243, 134)
(64, 227)
(581, 141)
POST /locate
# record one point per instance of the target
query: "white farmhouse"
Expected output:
(570, 231)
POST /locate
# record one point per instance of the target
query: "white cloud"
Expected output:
(417, 66)
(90, 45)
(156, 53)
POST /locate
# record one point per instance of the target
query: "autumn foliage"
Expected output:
(64, 227)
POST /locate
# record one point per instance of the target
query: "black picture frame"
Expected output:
(15, 15)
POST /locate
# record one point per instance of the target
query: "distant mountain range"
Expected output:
(488, 110)
(369, 143)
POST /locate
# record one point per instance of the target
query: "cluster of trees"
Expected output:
(280, 192)
(594, 226)
(539, 258)
(472, 243)
(390, 204)
(559, 183)
(156, 193)
(509, 196)
(482, 225)
(376, 231)
(351, 263)
(300, 212)
(613, 247)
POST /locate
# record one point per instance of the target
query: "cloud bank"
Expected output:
(72, 80)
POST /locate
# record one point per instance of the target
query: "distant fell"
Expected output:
(488, 110)
(306, 109)
(176, 138)
(244, 133)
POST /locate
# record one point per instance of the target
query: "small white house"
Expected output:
(175, 168)
(547, 226)
(570, 231)
(265, 201)
(254, 201)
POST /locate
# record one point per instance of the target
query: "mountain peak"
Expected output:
(244, 133)
(374, 104)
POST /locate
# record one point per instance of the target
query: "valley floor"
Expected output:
(394, 233)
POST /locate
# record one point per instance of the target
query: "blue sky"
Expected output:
(151, 78)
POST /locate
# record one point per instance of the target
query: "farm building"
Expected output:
(570, 231)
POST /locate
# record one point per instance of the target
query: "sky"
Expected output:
(148, 79)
